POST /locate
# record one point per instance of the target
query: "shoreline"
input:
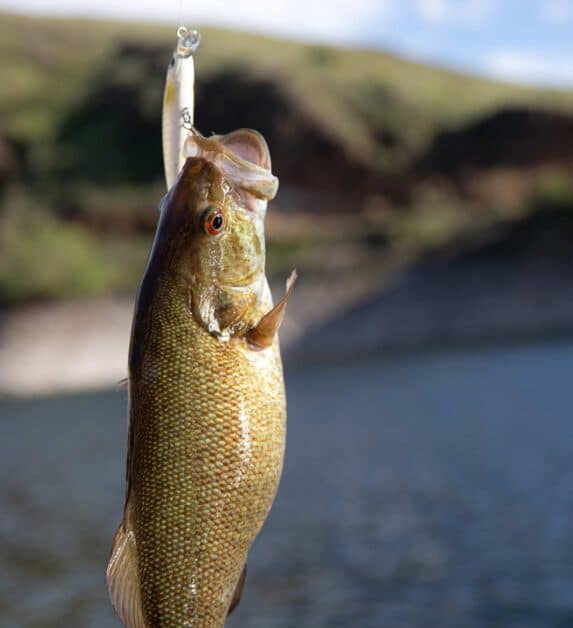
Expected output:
(82, 345)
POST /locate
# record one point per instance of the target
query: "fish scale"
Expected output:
(206, 402)
(215, 443)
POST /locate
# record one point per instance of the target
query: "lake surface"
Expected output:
(419, 491)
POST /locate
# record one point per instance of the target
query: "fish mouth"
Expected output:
(240, 170)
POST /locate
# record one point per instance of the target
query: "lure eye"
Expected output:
(213, 222)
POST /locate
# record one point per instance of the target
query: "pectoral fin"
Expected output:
(238, 590)
(262, 336)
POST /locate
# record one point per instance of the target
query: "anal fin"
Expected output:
(123, 580)
(238, 590)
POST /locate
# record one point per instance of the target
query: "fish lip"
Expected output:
(241, 173)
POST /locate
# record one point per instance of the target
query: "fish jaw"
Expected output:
(243, 156)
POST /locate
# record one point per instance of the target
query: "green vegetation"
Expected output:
(80, 158)
(42, 257)
(554, 189)
(47, 65)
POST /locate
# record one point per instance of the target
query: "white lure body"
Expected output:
(178, 103)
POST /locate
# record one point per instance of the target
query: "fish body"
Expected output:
(207, 406)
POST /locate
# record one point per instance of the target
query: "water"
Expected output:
(429, 490)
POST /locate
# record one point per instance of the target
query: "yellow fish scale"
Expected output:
(207, 448)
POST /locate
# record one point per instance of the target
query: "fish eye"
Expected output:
(172, 62)
(213, 221)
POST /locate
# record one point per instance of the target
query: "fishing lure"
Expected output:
(179, 102)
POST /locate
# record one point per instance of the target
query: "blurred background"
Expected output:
(425, 153)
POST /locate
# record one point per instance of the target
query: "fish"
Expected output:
(179, 102)
(207, 402)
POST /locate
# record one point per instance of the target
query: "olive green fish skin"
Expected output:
(207, 414)
(209, 446)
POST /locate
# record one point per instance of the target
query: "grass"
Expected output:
(46, 65)
(42, 257)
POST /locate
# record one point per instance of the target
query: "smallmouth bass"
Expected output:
(207, 410)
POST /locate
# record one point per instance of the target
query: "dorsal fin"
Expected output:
(123, 579)
(238, 590)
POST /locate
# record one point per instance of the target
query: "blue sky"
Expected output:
(519, 40)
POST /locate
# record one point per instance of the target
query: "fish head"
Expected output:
(213, 219)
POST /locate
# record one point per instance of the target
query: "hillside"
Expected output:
(49, 65)
(382, 149)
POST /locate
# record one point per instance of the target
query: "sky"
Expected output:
(524, 41)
